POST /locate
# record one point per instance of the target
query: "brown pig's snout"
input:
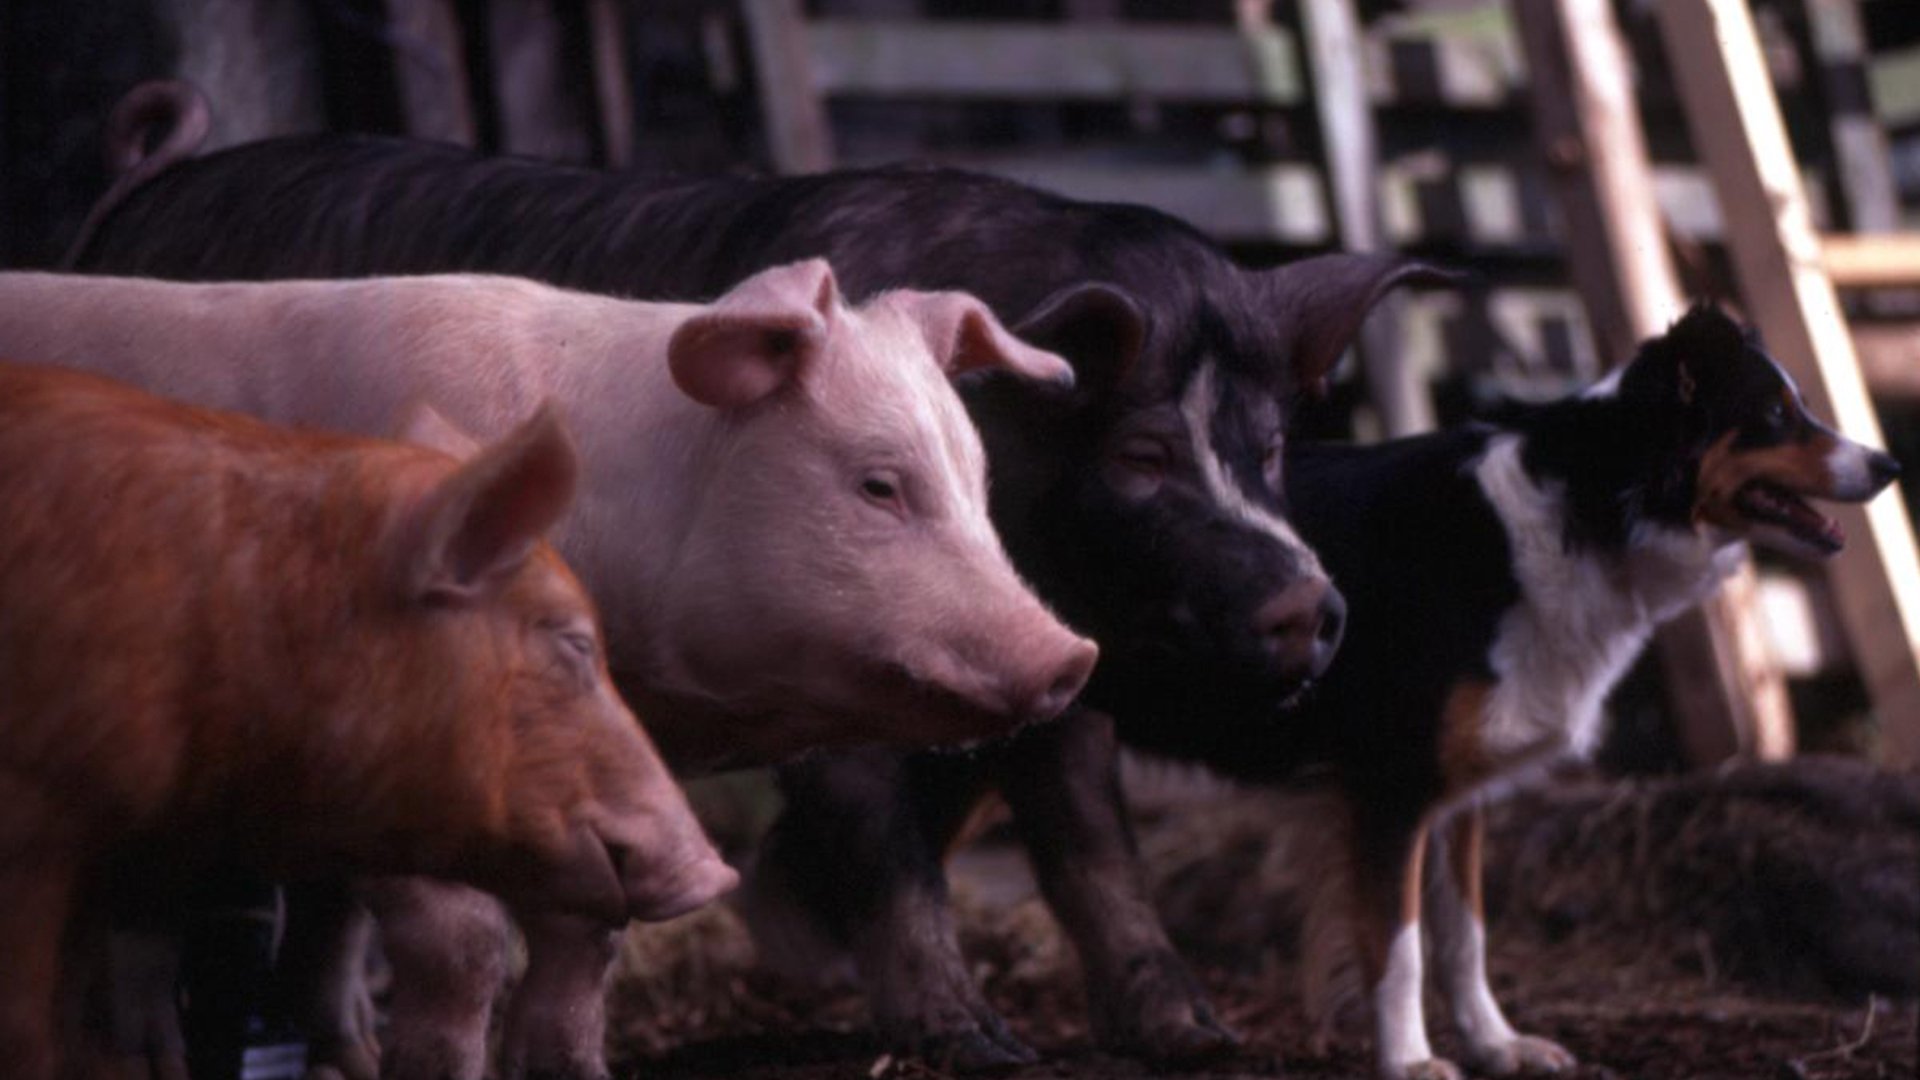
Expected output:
(1045, 692)
(1301, 626)
(658, 890)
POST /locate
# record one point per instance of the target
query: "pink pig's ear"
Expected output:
(480, 523)
(424, 425)
(757, 338)
(965, 336)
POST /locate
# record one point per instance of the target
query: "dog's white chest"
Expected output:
(1582, 616)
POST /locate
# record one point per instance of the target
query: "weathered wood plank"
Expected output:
(1273, 203)
(798, 137)
(1890, 358)
(1880, 261)
(540, 114)
(1053, 61)
(1895, 79)
(430, 69)
(1736, 125)
(1332, 33)
(612, 80)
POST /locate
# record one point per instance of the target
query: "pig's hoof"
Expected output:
(1163, 1015)
(568, 1072)
(1522, 1054)
(975, 1051)
(1430, 1069)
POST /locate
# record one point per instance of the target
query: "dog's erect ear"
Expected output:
(1323, 301)
(1101, 330)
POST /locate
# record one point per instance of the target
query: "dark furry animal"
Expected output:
(1147, 508)
(1501, 578)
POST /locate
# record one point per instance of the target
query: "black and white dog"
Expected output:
(1500, 579)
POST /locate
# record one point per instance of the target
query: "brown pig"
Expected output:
(306, 654)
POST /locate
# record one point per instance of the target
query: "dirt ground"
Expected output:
(1660, 969)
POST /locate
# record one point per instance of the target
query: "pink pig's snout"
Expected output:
(1050, 685)
(1021, 667)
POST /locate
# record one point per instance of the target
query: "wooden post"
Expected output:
(1353, 179)
(1717, 65)
(430, 69)
(612, 81)
(797, 134)
(1863, 165)
(541, 114)
(1728, 694)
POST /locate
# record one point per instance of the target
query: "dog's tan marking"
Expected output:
(1803, 468)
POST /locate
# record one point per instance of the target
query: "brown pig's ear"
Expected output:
(1323, 300)
(423, 425)
(965, 336)
(482, 521)
(756, 338)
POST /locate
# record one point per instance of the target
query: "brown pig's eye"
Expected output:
(578, 643)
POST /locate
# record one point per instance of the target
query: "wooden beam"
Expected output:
(1729, 697)
(1894, 79)
(541, 115)
(1332, 32)
(430, 69)
(1879, 261)
(1861, 159)
(1053, 61)
(1735, 121)
(798, 138)
(612, 80)
(1890, 358)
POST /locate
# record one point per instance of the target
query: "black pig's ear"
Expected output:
(1101, 329)
(1323, 301)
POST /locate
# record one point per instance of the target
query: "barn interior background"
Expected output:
(1282, 128)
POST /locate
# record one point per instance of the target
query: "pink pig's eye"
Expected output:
(883, 490)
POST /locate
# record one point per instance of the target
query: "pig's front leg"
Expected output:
(557, 1022)
(447, 945)
(142, 1003)
(853, 865)
(1063, 782)
(322, 981)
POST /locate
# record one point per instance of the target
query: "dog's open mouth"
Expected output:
(1769, 504)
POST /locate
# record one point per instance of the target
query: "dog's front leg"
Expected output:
(1387, 858)
(1062, 780)
(1456, 920)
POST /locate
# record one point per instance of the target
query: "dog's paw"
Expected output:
(1430, 1069)
(1528, 1054)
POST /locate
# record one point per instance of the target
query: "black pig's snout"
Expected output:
(1301, 626)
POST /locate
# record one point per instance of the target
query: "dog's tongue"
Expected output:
(1803, 519)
